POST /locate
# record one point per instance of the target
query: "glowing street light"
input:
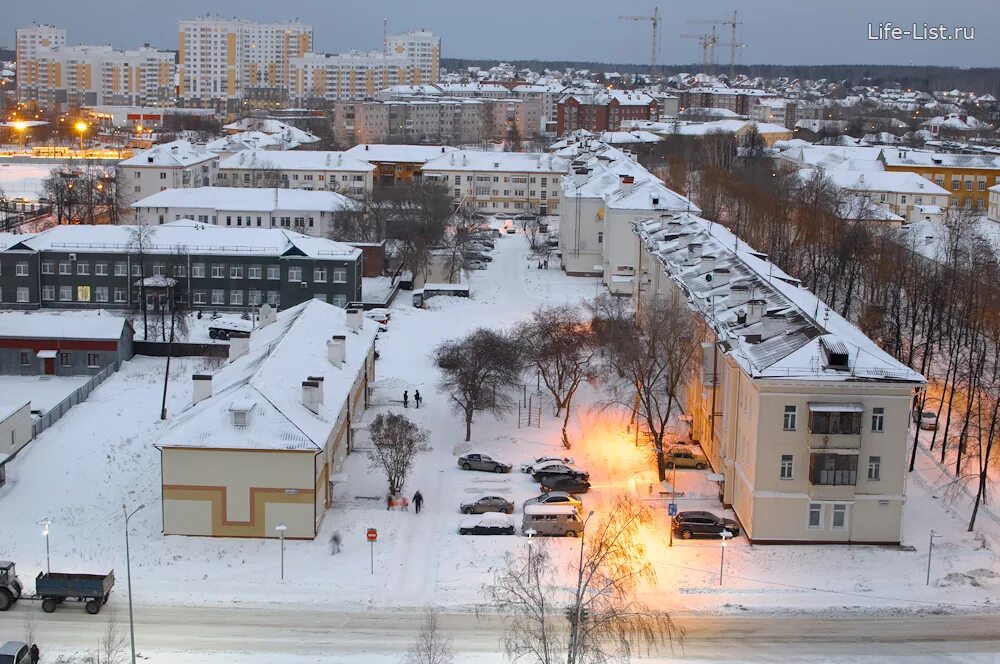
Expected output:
(20, 127)
(81, 127)
(45, 523)
(281, 528)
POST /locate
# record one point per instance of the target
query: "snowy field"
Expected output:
(23, 180)
(44, 392)
(81, 471)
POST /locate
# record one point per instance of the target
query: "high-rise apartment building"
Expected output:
(30, 42)
(326, 77)
(420, 49)
(225, 60)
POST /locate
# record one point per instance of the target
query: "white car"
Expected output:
(926, 420)
(542, 462)
(491, 523)
(379, 315)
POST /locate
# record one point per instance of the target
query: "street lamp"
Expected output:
(725, 534)
(930, 550)
(81, 127)
(281, 528)
(45, 523)
(20, 127)
(128, 573)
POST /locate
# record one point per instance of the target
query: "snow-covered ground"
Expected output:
(19, 180)
(44, 392)
(81, 471)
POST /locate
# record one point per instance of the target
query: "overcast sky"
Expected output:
(775, 31)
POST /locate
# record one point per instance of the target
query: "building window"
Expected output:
(839, 521)
(22, 294)
(339, 300)
(65, 268)
(66, 293)
(786, 466)
(878, 420)
(121, 269)
(235, 271)
(815, 516)
(274, 272)
(236, 298)
(21, 269)
(101, 269)
(319, 275)
(93, 360)
(218, 271)
(83, 268)
(102, 293)
(295, 274)
(25, 358)
(65, 359)
(600, 237)
(340, 275)
(218, 296)
(180, 270)
(48, 268)
(48, 293)
(835, 423)
(256, 298)
(833, 469)
(200, 297)
(320, 296)
(198, 270)
(159, 270)
(253, 272)
(136, 270)
(874, 468)
(790, 416)
(119, 295)
(273, 298)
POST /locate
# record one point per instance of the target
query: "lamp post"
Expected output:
(722, 558)
(81, 127)
(128, 573)
(673, 499)
(578, 609)
(45, 523)
(20, 127)
(930, 551)
(281, 528)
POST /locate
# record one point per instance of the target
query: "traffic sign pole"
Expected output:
(372, 536)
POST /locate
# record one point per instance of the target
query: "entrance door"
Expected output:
(50, 366)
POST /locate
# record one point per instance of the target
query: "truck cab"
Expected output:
(10, 585)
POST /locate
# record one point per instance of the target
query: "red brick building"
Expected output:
(603, 111)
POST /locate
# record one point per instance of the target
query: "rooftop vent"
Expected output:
(835, 354)
(239, 412)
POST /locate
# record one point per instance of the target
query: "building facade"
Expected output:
(174, 165)
(967, 177)
(421, 50)
(30, 43)
(397, 163)
(501, 181)
(317, 78)
(603, 111)
(44, 343)
(312, 170)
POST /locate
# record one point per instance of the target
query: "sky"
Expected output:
(774, 31)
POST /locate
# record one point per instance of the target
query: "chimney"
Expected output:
(319, 393)
(366, 148)
(627, 181)
(336, 350)
(755, 311)
(354, 320)
(720, 275)
(694, 250)
(708, 263)
(311, 395)
(201, 387)
(239, 346)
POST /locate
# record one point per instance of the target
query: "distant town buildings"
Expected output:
(174, 165)
(603, 111)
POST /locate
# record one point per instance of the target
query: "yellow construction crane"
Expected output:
(733, 43)
(655, 20)
(706, 45)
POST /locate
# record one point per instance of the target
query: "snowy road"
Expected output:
(329, 636)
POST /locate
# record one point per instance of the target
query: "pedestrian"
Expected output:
(335, 543)
(406, 399)
(388, 502)
(34, 653)
(418, 501)
(406, 505)
(416, 397)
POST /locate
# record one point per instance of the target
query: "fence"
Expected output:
(159, 349)
(52, 415)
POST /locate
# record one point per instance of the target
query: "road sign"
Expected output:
(372, 534)
(672, 509)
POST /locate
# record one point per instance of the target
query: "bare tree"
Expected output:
(29, 627)
(140, 241)
(396, 442)
(561, 345)
(113, 642)
(432, 646)
(478, 371)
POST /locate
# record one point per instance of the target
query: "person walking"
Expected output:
(335, 543)
(418, 501)
(33, 653)
(406, 399)
(416, 397)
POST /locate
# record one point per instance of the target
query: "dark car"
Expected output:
(558, 469)
(486, 524)
(703, 524)
(567, 483)
(488, 504)
(482, 462)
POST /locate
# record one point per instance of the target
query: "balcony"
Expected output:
(835, 426)
(832, 476)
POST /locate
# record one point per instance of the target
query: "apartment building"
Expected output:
(174, 165)
(421, 50)
(737, 100)
(222, 61)
(967, 177)
(805, 418)
(603, 111)
(993, 210)
(903, 194)
(397, 163)
(501, 181)
(29, 44)
(313, 170)
(206, 266)
(774, 111)
(307, 212)
(322, 77)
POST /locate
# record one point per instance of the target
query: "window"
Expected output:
(22, 294)
(295, 274)
(274, 272)
(600, 237)
(121, 269)
(874, 468)
(786, 466)
(235, 271)
(253, 272)
(200, 297)
(66, 293)
(119, 295)
(25, 358)
(198, 270)
(339, 300)
(839, 516)
(319, 275)
(273, 298)
(48, 268)
(815, 516)
(236, 298)
(21, 269)
(83, 268)
(93, 360)
(101, 269)
(159, 270)
(136, 270)
(218, 271)
(65, 268)
(835, 423)
(790, 416)
(65, 359)
(180, 270)
(218, 296)
(320, 296)
(878, 419)
(48, 293)
(101, 293)
(340, 275)
(256, 298)
(833, 469)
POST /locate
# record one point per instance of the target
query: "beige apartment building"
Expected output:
(421, 50)
(314, 170)
(174, 165)
(804, 418)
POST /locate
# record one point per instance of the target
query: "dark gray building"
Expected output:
(62, 344)
(205, 266)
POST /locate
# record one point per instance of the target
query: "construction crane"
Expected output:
(706, 44)
(733, 42)
(655, 20)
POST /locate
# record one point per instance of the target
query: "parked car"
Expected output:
(482, 462)
(566, 483)
(558, 469)
(702, 524)
(488, 504)
(926, 419)
(684, 458)
(15, 652)
(511, 230)
(379, 315)
(552, 520)
(544, 461)
(486, 524)
(474, 265)
(555, 498)
(476, 256)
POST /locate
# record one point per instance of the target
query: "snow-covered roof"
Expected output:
(628, 137)
(272, 126)
(247, 140)
(191, 237)
(904, 157)
(409, 154)
(765, 320)
(91, 324)
(176, 154)
(248, 199)
(604, 97)
(514, 162)
(829, 157)
(649, 194)
(294, 160)
(267, 382)
(889, 181)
